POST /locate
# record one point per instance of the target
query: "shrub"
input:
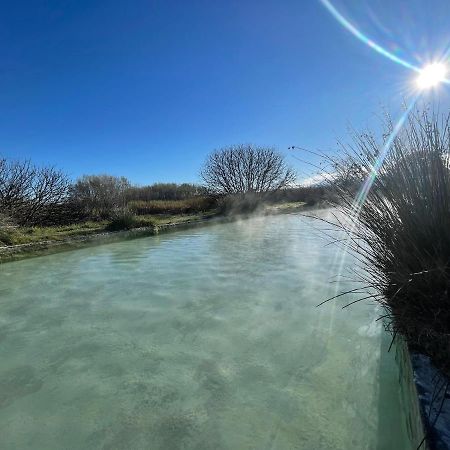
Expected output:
(398, 226)
(299, 194)
(31, 194)
(6, 221)
(122, 221)
(239, 204)
(99, 196)
(165, 191)
(126, 220)
(8, 231)
(6, 236)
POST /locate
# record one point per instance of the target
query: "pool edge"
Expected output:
(427, 414)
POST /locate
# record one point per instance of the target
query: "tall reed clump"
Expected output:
(400, 228)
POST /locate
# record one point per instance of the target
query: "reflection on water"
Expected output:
(201, 339)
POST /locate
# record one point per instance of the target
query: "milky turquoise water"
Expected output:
(201, 339)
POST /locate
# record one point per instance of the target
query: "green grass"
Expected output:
(29, 235)
(10, 236)
(26, 235)
(164, 219)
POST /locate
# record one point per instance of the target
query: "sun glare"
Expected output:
(431, 75)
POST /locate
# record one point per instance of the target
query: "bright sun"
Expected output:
(431, 75)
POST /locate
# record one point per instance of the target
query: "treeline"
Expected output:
(32, 195)
(236, 179)
(166, 191)
(311, 195)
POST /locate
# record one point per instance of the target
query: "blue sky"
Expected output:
(146, 88)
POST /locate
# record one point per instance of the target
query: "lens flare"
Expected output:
(431, 76)
(364, 192)
(363, 38)
(361, 197)
(428, 77)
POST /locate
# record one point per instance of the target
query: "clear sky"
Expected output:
(146, 88)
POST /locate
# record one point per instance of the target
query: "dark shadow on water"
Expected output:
(391, 420)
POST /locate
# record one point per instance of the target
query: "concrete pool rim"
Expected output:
(424, 392)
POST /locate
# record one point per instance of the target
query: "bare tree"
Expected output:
(50, 191)
(101, 195)
(30, 194)
(16, 182)
(244, 169)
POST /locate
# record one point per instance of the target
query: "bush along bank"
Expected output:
(395, 216)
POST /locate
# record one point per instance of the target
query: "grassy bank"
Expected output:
(13, 236)
(20, 242)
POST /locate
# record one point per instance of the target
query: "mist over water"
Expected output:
(200, 339)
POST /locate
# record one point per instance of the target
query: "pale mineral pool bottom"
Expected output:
(201, 339)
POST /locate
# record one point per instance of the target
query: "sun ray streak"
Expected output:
(363, 38)
(429, 76)
(364, 191)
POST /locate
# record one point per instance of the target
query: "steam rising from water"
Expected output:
(200, 339)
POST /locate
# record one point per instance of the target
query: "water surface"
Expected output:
(200, 339)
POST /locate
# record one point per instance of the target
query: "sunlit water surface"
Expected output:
(201, 339)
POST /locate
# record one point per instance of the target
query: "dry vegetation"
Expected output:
(399, 228)
(41, 203)
(186, 206)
